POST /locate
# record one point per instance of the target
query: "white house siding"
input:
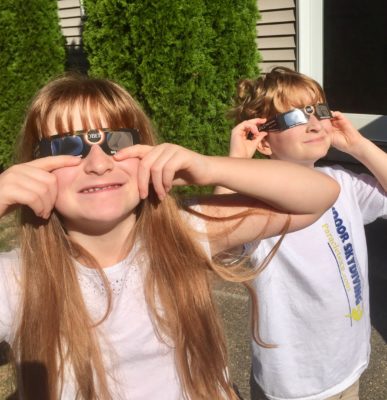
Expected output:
(276, 34)
(276, 30)
(70, 17)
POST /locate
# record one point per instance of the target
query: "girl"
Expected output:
(108, 295)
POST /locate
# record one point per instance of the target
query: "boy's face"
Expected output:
(302, 144)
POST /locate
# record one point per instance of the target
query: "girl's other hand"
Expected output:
(32, 184)
(166, 165)
(245, 137)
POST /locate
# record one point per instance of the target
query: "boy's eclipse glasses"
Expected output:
(80, 142)
(297, 116)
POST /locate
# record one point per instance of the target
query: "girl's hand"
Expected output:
(345, 137)
(166, 165)
(32, 184)
(245, 138)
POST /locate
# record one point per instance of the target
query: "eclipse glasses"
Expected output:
(297, 116)
(80, 142)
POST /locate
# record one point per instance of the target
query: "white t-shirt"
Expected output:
(314, 300)
(143, 367)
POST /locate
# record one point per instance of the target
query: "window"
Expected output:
(342, 44)
(355, 55)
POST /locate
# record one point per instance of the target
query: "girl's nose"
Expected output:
(97, 161)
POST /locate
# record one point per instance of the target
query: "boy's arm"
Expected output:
(346, 138)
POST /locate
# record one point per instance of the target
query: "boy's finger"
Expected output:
(258, 135)
(256, 121)
(250, 136)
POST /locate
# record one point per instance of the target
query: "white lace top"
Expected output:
(141, 367)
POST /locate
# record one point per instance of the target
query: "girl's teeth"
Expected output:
(97, 189)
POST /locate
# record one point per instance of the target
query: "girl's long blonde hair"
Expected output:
(55, 330)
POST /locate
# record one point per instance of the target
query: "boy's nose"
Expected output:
(97, 161)
(314, 124)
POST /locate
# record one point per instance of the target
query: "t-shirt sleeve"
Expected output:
(371, 197)
(8, 293)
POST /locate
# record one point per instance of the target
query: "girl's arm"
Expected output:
(274, 188)
(32, 184)
(349, 140)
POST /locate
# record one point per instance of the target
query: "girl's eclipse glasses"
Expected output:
(297, 116)
(80, 142)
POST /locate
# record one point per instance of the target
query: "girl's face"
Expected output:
(99, 193)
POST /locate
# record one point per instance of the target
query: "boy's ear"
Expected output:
(264, 147)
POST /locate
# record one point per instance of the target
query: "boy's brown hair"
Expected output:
(278, 91)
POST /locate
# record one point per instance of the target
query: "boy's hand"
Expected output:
(245, 138)
(349, 140)
(243, 143)
(345, 137)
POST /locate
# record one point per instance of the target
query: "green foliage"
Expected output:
(180, 59)
(32, 51)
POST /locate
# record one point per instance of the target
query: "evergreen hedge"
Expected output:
(180, 59)
(32, 51)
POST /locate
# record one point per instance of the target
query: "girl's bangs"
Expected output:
(93, 112)
(75, 103)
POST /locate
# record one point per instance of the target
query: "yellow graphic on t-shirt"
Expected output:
(356, 313)
(346, 262)
(338, 255)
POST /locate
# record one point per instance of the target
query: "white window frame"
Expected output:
(310, 60)
(310, 38)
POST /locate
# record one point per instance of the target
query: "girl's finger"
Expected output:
(40, 203)
(32, 193)
(29, 185)
(54, 162)
(156, 173)
(169, 173)
(136, 151)
(170, 164)
(159, 165)
(143, 152)
(143, 180)
(40, 181)
(148, 158)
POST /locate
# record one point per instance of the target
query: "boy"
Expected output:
(313, 297)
